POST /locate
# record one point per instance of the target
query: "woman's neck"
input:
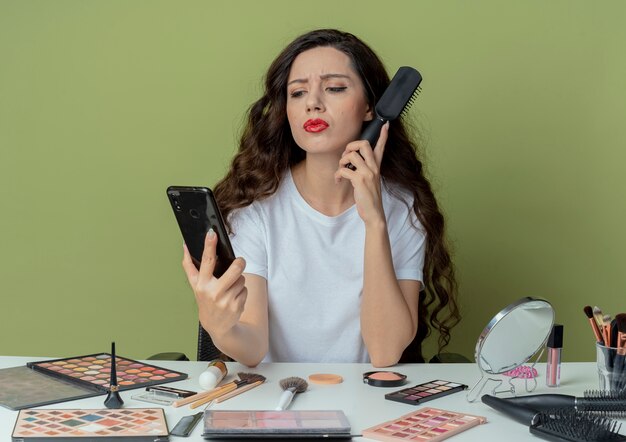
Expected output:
(315, 181)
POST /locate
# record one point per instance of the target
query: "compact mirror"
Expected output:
(512, 338)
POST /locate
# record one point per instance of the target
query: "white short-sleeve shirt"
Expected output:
(313, 265)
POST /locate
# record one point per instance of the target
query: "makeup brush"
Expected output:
(619, 362)
(620, 320)
(594, 325)
(244, 379)
(238, 391)
(597, 314)
(291, 386)
(219, 391)
(606, 327)
(113, 399)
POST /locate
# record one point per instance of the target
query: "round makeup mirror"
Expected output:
(512, 338)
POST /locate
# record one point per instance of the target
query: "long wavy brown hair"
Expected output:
(267, 149)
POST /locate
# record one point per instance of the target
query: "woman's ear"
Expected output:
(369, 114)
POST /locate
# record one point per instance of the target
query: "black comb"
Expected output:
(396, 99)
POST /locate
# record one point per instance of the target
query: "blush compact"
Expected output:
(384, 378)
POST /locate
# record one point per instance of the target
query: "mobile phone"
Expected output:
(196, 212)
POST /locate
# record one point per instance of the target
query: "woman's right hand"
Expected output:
(220, 300)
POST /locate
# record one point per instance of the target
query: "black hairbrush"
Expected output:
(569, 425)
(559, 425)
(602, 403)
(396, 99)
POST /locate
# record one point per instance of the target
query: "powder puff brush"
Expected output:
(291, 386)
(396, 99)
(113, 399)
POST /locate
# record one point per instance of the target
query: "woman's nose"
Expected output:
(314, 102)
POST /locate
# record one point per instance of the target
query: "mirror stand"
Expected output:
(503, 383)
(511, 340)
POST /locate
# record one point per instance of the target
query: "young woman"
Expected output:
(337, 265)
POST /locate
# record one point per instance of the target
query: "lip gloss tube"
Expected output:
(553, 367)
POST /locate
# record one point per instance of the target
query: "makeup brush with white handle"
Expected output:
(291, 386)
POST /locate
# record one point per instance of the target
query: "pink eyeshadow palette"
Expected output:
(136, 424)
(94, 371)
(424, 424)
(425, 392)
(273, 424)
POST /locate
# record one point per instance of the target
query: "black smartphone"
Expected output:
(196, 212)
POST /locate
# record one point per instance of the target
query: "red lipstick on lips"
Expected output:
(315, 126)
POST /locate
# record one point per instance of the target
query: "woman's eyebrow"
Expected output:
(323, 77)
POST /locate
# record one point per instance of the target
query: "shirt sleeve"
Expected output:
(248, 239)
(408, 247)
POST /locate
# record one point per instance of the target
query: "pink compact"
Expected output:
(384, 378)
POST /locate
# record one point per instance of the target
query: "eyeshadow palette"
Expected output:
(21, 387)
(424, 424)
(60, 380)
(223, 424)
(136, 424)
(94, 371)
(425, 392)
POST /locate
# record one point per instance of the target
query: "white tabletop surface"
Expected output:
(364, 405)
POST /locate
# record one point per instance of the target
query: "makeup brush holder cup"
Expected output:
(611, 369)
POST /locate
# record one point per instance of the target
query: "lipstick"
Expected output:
(553, 367)
(315, 125)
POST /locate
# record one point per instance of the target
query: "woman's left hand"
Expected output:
(366, 178)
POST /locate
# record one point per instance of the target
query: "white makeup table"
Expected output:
(364, 405)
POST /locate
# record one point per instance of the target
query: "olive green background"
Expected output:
(103, 104)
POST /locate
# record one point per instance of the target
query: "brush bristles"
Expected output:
(572, 426)
(588, 311)
(605, 404)
(603, 394)
(597, 313)
(409, 103)
(251, 377)
(298, 384)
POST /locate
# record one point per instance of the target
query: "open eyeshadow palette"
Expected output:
(136, 424)
(59, 380)
(224, 424)
(424, 424)
(425, 392)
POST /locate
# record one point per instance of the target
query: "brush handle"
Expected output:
(238, 391)
(618, 371)
(519, 413)
(544, 401)
(372, 130)
(215, 395)
(285, 398)
(371, 134)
